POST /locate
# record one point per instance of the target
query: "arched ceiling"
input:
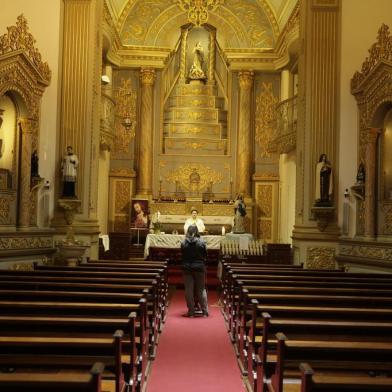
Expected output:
(239, 23)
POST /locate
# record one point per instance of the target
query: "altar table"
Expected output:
(173, 241)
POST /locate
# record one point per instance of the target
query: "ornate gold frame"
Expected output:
(24, 76)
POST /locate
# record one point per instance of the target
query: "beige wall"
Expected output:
(287, 176)
(43, 18)
(361, 20)
(103, 191)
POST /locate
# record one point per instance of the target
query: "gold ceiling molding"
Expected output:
(18, 38)
(198, 9)
(380, 51)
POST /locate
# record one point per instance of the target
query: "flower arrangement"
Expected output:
(156, 223)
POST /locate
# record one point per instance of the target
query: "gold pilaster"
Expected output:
(370, 185)
(26, 130)
(144, 178)
(79, 111)
(244, 141)
(317, 130)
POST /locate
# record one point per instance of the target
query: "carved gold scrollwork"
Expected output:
(321, 257)
(19, 38)
(379, 51)
(125, 111)
(183, 174)
(265, 118)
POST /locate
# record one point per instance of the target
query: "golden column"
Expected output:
(144, 178)
(370, 184)
(79, 112)
(244, 135)
(317, 131)
(26, 130)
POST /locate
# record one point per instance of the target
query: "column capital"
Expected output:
(26, 125)
(246, 79)
(147, 76)
(370, 135)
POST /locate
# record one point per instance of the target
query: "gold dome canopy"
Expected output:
(239, 23)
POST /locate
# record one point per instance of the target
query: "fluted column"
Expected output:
(26, 131)
(144, 178)
(370, 185)
(317, 130)
(244, 140)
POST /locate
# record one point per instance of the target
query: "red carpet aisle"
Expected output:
(194, 354)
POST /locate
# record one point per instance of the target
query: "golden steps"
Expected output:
(196, 101)
(202, 115)
(195, 89)
(196, 129)
(202, 146)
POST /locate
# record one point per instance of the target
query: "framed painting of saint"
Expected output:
(139, 213)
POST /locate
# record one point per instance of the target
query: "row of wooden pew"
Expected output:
(58, 322)
(308, 330)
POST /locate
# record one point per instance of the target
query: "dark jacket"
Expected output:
(194, 253)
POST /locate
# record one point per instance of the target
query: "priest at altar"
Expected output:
(194, 220)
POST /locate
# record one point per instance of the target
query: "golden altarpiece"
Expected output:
(372, 88)
(205, 125)
(23, 79)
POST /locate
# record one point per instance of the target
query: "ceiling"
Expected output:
(239, 23)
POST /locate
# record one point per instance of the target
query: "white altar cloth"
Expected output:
(174, 241)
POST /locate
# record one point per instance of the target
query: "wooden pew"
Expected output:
(318, 324)
(311, 381)
(75, 381)
(64, 334)
(344, 358)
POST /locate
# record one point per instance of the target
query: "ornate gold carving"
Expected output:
(4, 211)
(387, 219)
(169, 208)
(122, 172)
(367, 251)
(182, 176)
(122, 197)
(19, 38)
(246, 79)
(195, 145)
(196, 116)
(147, 76)
(7, 243)
(125, 116)
(217, 210)
(265, 118)
(22, 267)
(379, 51)
(264, 200)
(321, 257)
(265, 229)
(107, 124)
(198, 9)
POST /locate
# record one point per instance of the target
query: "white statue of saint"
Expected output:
(196, 71)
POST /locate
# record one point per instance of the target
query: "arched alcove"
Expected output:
(23, 79)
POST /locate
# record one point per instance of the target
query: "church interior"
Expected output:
(269, 121)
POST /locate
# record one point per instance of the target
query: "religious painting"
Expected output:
(139, 213)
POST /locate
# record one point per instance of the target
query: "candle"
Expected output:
(223, 230)
(231, 179)
(160, 178)
(158, 215)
